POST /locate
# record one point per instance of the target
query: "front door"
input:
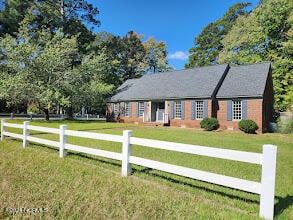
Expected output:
(158, 109)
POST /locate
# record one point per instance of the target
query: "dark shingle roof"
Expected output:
(190, 83)
(245, 81)
(202, 82)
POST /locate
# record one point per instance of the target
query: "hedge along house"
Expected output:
(183, 98)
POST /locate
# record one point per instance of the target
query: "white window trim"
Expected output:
(179, 104)
(241, 113)
(126, 113)
(195, 110)
(140, 109)
(116, 109)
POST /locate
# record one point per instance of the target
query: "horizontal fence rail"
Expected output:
(232, 182)
(43, 129)
(267, 158)
(242, 156)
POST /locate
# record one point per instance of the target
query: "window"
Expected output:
(140, 109)
(116, 108)
(236, 110)
(199, 109)
(177, 107)
(127, 112)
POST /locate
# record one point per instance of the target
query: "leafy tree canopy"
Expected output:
(208, 44)
(265, 35)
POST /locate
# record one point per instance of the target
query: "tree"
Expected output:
(125, 53)
(45, 73)
(208, 44)
(68, 15)
(12, 15)
(265, 35)
(132, 54)
(88, 86)
(130, 57)
(245, 43)
(111, 45)
(15, 64)
(155, 59)
(54, 15)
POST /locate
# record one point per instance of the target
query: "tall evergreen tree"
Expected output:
(208, 44)
(12, 14)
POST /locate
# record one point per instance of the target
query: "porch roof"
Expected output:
(199, 82)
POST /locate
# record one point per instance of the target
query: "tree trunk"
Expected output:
(70, 113)
(47, 117)
(62, 15)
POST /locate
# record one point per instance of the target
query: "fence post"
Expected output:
(267, 194)
(126, 152)
(25, 133)
(2, 129)
(62, 141)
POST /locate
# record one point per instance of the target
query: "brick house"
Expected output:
(183, 98)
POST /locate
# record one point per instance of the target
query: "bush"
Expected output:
(209, 124)
(33, 109)
(286, 127)
(248, 126)
(289, 127)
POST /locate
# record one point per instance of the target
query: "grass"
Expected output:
(86, 186)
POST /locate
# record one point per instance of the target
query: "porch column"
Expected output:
(150, 111)
(166, 107)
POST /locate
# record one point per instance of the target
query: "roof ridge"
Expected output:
(250, 64)
(174, 71)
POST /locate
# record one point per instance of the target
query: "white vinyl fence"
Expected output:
(267, 159)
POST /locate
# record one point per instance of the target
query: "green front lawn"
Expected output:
(169, 196)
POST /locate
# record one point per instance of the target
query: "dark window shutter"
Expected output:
(205, 108)
(192, 110)
(182, 110)
(137, 109)
(172, 109)
(130, 109)
(244, 109)
(229, 110)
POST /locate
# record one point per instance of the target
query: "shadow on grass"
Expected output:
(83, 155)
(180, 182)
(108, 162)
(281, 205)
(62, 121)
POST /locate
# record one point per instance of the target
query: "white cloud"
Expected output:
(178, 55)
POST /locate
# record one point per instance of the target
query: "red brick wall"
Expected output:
(188, 122)
(132, 118)
(254, 112)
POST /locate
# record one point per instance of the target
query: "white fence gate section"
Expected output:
(267, 159)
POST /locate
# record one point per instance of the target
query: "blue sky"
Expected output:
(172, 21)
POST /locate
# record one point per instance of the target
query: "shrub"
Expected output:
(289, 127)
(248, 126)
(286, 127)
(33, 109)
(209, 124)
